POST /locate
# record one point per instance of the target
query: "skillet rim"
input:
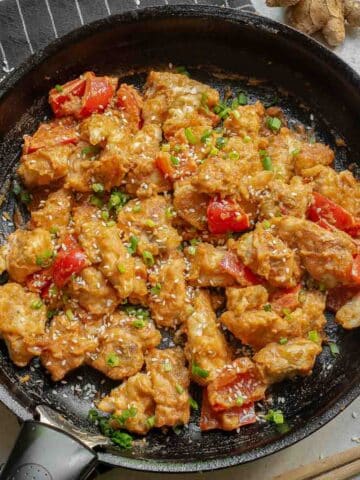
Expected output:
(344, 71)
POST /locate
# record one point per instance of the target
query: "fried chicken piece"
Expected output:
(206, 346)
(326, 255)
(135, 393)
(54, 215)
(151, 225)
(205, 267)
(92, 292)
(27, 252)
(190, 204)
(22, 322)
(245, 120)
(144, 330)
(45, 166)
(170, 381)
(348, 316)
(281, 149)
(69, 340)
(277, 362)
(167, 302)
(268, 256)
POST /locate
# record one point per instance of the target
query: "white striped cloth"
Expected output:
(29, 25)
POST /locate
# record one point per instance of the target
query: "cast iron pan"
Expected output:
(313, 86)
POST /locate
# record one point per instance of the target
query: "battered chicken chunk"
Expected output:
(22, 322)
(136, 394)
(348, 316)
(206, 348)
(54, 214)
(93, 292)
(312, 155)
(151, 225)
(141, 327)
(167, 302)
(170, 381)
(277, 362)
(190, 204)
(45, 166)
(205, 267)
(245, 120)
(68, 341)
(27, 252)
(326, 255)
(285, 199)
(268, 256)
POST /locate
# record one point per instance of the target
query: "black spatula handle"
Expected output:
(42, 452)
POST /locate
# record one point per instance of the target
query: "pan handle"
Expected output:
(42, 452)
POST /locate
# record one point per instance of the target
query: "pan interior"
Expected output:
(225, 52)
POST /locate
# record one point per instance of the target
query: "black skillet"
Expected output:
(313, 86)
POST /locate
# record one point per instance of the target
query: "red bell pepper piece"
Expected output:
(227, 420)
(97, 95)
(322, 208)
(59, 97)
(130, 101)
(235, 383)
(70, 260)
(232, 265)
(225, 215)
(286, 298)
(38, 282)
(338, 296)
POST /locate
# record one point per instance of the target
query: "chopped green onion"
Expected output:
(136, 208)
(334, 349)
(198, 371)
(125, 415)
(224, 113)
(156, 289)
(138, 323)
(266, 224)
(247, 139)
(191, 250)
(150, 421)
(150, 223)
(167, 365)
(273, 123)
(275, 416)
(53, 291)
(214, 151)
(36, 304)
(322, 287)
(105, 215)
(25, 197)
(96, 201)
(193, 403)
(169, 212)
(98, 187)
(312, 140)
(182, 70)
(121, 268)
(220, 142)
(148, 258)
(90, 149)
(137, 312)
(286, 311)
(58, 88)
(267, 163)
(267, 307)
(113, 360)
(134, 241)
(69, 314)
(205, 136)
(165, 147)
(174, 160)
(122, 439)
(314, 336)
(242, 99)
(234, 103)
(111, 223)
(53, 230)
(179, 389)
(19, 191)
(118, 199)
(283, 341)
(239, 400)
(190, 137)
(295, 152)
(51, 314)
(44, 259)
(236, 114)
(234, 156)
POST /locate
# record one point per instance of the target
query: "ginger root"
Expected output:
(327, 16)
